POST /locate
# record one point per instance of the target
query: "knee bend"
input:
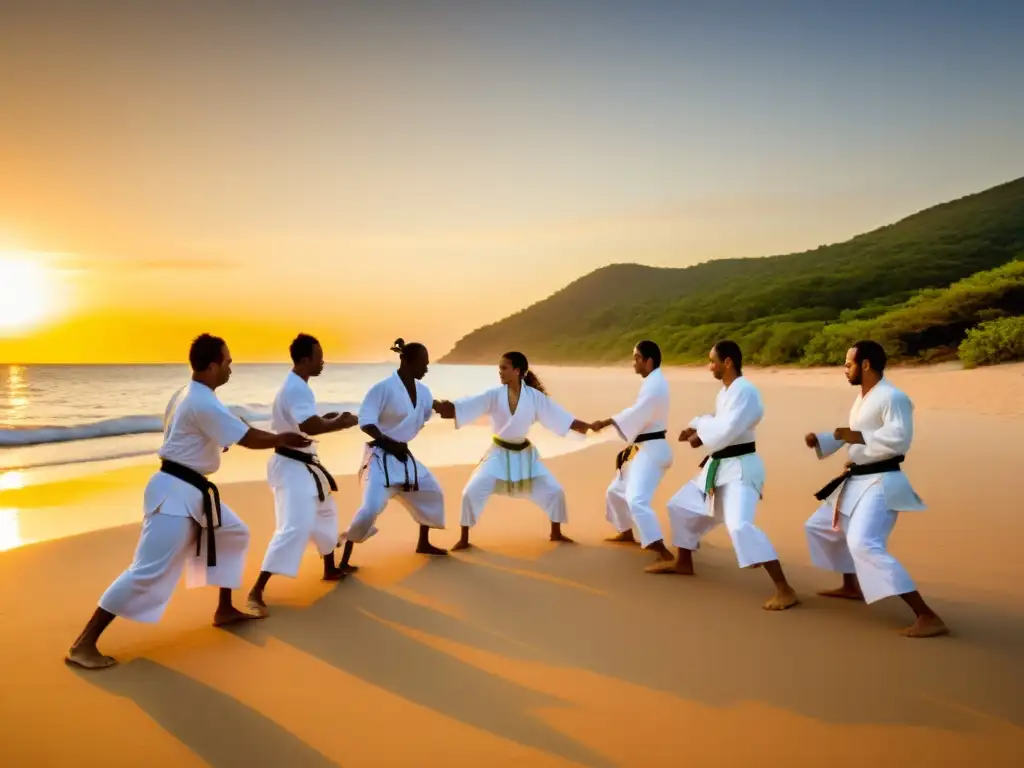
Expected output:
(638, 505)
(865, 549)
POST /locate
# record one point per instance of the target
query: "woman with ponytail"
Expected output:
(392, 414)
(512, 464)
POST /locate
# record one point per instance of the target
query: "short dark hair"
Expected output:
(730, 350)
(302, 347)
(205, 351)
(649, 351)
(871, 351)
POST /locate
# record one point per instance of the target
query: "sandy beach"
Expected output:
(524, 653)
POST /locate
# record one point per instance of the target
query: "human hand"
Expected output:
(597, 426)
(331, 415)
(347, 420)
(695, 441)
(686, 434)
(293, 440)
(811, 440)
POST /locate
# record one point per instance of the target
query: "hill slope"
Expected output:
(775, 305)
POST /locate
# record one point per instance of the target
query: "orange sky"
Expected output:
(367, 171)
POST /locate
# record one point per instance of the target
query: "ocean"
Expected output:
(63, 421)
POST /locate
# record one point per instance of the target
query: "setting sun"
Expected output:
(26, 293)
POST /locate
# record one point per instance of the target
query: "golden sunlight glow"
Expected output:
(26, 293)
(10, 533)
(12, 481)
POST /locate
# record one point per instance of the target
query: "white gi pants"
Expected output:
(425, 505)
(545, 491)
(735, 503)
(860, 547)
(628, 499)
(168, 544)
(301, 518)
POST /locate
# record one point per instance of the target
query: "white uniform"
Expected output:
(628, 500)
(196, 433)
(388, 406)
(738, 483)
(517, 473)
(301, 515)
(868, 504)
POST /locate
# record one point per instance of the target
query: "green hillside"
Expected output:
(793, 308)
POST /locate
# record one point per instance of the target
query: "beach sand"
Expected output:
(524, 653)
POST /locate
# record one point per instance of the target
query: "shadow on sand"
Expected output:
(703, 639)
(218, 728)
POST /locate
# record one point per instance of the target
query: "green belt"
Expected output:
(507, 485)
(730, 452)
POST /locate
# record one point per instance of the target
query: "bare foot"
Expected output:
(349, 568)
(89, 658)
(460, 545)
(626, 537)
(782, 600)
(336, 574)
(926, 626)
(670, 566)
(430, 549)
(846, 593)
(232, 615)
(562, 538)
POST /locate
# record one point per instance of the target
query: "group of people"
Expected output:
(186, 526)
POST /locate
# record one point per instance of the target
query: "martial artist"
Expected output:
(303, 488)
(392, 414)
(849, 531)
(729, 485)
(512, 464)
(640, 466)
(185, 524)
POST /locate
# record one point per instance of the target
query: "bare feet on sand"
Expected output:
(232, 615)
(256, 606)
(335, 574)
(89, 658)
(844, 592)
(557, 535)
(926, 626)
(430, 549)
(626, 537)
(781, 600)
(460, 545)
(670, 566)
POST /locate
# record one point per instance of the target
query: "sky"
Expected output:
(363, 171)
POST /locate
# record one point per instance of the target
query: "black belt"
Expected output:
(515, 447)
(310, 460)
(626, 453)
(857, 470)
(406, 486)
(208, 489)
(729, 452)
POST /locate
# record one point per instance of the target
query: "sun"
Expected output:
(27, 293)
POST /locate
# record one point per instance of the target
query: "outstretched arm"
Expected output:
(331, 422)
(259, 440)
(444, 408)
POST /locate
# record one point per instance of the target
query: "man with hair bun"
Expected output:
(392, 414)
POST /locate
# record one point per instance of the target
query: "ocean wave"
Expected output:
(23, 437)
